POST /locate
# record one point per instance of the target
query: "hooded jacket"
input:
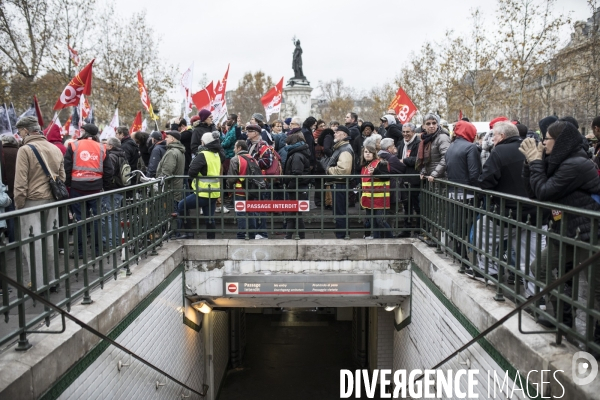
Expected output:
(297, 163)
(394, 131)
(354, 130)
(198, 165)
(158, 151)
(113, 156)
(172, 164)
(53, 136)
(131, 151)
(197, 133)
(30, 181)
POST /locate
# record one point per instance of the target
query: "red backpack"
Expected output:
(275, 168)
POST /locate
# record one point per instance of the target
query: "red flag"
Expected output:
(272, 100)
(40, 117)
(219, 102)
(404, 108)
(460, 115)
(203, 99)
(137, 123)
(65, 130)
(82, 83)
(144, 96)
(74, 56)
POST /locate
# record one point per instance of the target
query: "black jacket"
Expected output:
(394, 131)
(186, 141)
(198, 165)
(326, 140)
(297, 163)
(411, 159)
(396, 168)
(463, 162)
(158, 151)
(502, 173)
(572, 184)
(145, 151)
(354, 131)
(131, 151)
(113, 156)
(197, 133)
(357, 144)
(310, 141)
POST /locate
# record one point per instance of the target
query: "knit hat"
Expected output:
(203, 114)
(545, 123)
(287, 121)
(258, 117)
(156, 135)
(254, 128)
(465, 130)
(29, 123)
(90, 129)
(210, 137)
(496, 120)
(176, 135)
(344, 129)
(194, 119)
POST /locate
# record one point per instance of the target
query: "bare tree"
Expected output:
(336, 98)
(246, 98)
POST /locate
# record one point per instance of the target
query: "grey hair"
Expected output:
(9, 139)
(506, 128)
(372, 140)
(410, 126)
(114, 142)
(296, 120)
(430, 116)
(386, 143)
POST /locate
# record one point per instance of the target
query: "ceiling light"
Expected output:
(202, 306)
(389, 307)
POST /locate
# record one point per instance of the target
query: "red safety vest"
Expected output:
(375, 192)
(88, 160)
(239, 185)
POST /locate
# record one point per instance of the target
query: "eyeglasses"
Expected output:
(430, 123)
(406, 131)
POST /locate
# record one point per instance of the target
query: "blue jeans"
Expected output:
(89, 205)
(340, 200)
(375, 220)
(10, 223)
(111, 222)
(256, 225)
(207, 206)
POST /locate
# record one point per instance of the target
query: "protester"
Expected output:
(375, 197)
(308, 126)
(158, 150)
(366, 131)
(393, 130)
(110, 224)
(53, 135)
(129, 147)
(352, 125)
(487, 142)
(297, 163)
(202, 126)
(10, 149)
(431, 161)
(173, 164)
(144, 142)
(408, 149)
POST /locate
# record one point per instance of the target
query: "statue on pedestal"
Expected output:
(297, 62)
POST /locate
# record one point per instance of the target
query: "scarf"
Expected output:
(406, 144)
(424, 152)
(317, 133)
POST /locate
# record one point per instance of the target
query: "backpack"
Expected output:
(253, 184)
(275, 168)
(122, 172)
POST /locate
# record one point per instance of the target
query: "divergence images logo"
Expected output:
(585, 368)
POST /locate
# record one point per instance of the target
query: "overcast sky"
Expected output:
(362, 42)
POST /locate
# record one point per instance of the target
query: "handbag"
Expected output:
(58, 187)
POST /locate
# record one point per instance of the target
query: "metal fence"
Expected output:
(503, 238)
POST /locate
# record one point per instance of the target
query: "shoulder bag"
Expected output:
(58, 187)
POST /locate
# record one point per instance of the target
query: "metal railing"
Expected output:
(520, 246)
(503, 238)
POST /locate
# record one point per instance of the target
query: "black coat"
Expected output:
(396, 168)
(354, 131)
(502, 173)
(113, 156)
(297, 163)
(186, 141)
(310, 141)
(463, 162)
(131, 151)
(197, 133)
(394, 131)
(158, 151)
(326, 140)
(572, 184)
(410, 160)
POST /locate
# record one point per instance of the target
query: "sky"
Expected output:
(362, 42)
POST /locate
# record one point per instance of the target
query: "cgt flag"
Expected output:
(186, 90)
(272, 100)
(144, 97)
(203, 99)
(219, 103)
(137, 123)
(405, 109)
(81, 84)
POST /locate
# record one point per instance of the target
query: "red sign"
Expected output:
(273, 206)
(232, 288)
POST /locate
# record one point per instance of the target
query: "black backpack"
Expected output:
(253, 171)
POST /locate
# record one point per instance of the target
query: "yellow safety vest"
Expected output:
(209, 187)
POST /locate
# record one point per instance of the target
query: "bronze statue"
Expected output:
(297, 62)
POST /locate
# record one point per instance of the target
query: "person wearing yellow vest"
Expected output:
(87, 172)
(206, 188)
(375, 198)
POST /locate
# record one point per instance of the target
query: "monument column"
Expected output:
(296, 94)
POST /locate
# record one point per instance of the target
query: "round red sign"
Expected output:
(239, 206)
(303, 206)
(232, 287)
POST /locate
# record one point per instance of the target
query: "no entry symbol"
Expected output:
(232, 288)
(240, 206)
(303, 205)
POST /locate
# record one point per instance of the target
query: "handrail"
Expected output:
(88, 328)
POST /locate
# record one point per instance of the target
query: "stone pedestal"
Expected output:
(296, 95)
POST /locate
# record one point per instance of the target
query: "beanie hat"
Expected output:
(156, 135)
(203, 114)
(175, 134)
(194, 119)
(90, 129)
(465, 130)
(29, 123)
(258, 117)
(496, 120)
(210, 137)
(287, 121)
(254, 128)
(545, 123)
(522, 130)
(344, 129)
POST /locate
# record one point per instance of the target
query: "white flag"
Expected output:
(144, 125)
(186, 89)
(111, 129)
